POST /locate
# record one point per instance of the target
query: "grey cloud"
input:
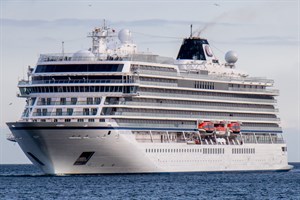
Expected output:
(94, 22)
(269, 40)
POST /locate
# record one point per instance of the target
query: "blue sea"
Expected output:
(27, 182)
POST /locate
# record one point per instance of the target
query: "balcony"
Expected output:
(195, 117)
(73, 81)
(193, 106)
(64, 114)
(209, 77)
(52, 103)
(189, 96)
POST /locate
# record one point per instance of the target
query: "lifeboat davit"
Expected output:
(234, 127)
(206, 126)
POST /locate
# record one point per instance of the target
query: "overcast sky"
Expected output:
(265, 34)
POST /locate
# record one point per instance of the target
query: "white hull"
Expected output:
(118, 152)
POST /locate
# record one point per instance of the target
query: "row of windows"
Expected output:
(259, 125)
(63, 112)
(152, 68)
(158, 80)
(243, 151)
(69, 101)
(86, 78)
(188, 103)
(177, 112)
(202, 93)
(173, 150)
(204, 151)
(141, 121)
(69, 120)
(54, 89)
(204, 85)
(213, 151)
(79, 68)
(246, 86)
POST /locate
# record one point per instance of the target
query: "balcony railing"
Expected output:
(268, 91)
(77, 113)
(141, 57)
(67, 103)
(193, 106)
(189, 96)
(261, 128)
(209, 77)
(194, 116)
(75, 81)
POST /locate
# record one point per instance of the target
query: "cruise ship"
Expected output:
(113, 109)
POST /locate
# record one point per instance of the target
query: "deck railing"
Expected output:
(193, 106)
(190, 96)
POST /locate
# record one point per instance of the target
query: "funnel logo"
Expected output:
(208, 51)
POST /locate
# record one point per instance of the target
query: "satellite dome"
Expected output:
(83, 55)
(125, 36)
(231, 57)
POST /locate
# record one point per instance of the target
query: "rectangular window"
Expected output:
(79, 68)
(89, 100)
(48, 101)
(94, 111)
(97, 100)
(58, 111)
(73, 100)
(62, 101)
(69, 111)
(44, 111)
(86, 111)
(284, 149)
(43, 101)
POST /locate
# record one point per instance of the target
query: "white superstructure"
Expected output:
(111, 109)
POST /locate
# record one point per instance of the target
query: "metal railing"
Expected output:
(261, 128)
(194, 116)
(159, 83)
(190, 96)
(67, 103)
(228, 78)
(269, 91)
(208, 77)
(194, 106)
(74, 81)
(141, 57)
(75, 113)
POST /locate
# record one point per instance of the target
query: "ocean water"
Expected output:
(27, 182)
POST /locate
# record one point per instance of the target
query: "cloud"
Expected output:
(93, 22)
(269, 40)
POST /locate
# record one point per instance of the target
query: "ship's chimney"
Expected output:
(195, 48)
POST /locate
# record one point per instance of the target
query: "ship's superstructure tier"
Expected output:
(146, 94)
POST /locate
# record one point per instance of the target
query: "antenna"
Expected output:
(191, 30)
(104, 24)
(63, 48)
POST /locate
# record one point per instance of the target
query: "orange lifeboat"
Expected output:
(220, 128)
(206, 126)
(234, 127)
